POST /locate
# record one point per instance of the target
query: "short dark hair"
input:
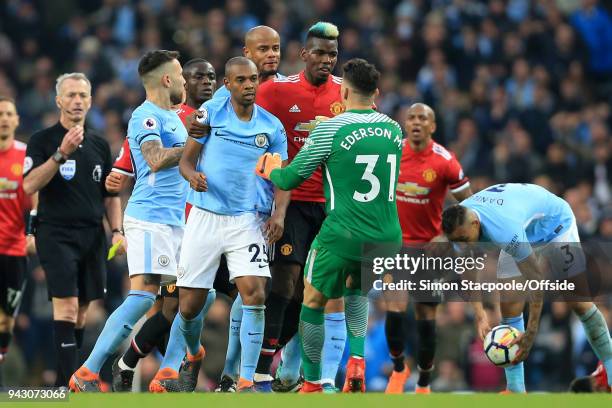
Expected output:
(452, 217)
(362, 75)
(194, 61)
(581, 384)
(237, 61)
(154, 59)
(6, 98)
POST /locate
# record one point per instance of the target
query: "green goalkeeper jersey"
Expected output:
(360, 152)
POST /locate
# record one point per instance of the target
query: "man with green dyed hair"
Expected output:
(360, 152)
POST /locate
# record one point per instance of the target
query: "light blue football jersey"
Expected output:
(265, 188)
(229, 156)
(157, 197)
(516, 217)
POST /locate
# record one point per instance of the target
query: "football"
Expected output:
(496, 345)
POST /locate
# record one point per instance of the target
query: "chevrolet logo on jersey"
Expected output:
(8, 185)
(307, 126)
(412, 189)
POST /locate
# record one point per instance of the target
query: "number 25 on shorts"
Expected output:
(267, 163)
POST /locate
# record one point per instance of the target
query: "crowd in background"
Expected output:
(521, 89)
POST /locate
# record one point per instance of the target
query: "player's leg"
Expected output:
(334, 343)
(357, 308)
(59, 257)
(12, 273)
(425, 314)
(395, 332)
(289, 256)
(597, 332)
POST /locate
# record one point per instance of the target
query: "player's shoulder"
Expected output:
(19, 146)
(336, 80)
(268, 116)
(441, 151)
(215, 103)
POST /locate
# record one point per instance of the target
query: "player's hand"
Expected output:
(321, 118)
(114, 182)
(198, 182)
(525, 342)
(123, 247)
(267, 163)
(195, 128)
(439, 246)
(72, 139)
(482, 327)
(30, 245)
(273, 228)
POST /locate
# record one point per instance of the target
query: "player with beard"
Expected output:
(201, 81)
(154, 217)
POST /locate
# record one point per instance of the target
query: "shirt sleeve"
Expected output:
(205, 120)
(35, 154)
(123, 163)
(315, 151)
(108, 166)
(279, 142)
(455, 177)
(144, 127)
(515, 242)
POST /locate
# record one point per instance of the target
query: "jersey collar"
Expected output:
(312, 88)
(425, 152)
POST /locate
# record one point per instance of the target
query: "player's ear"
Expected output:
(246, 52)
(57, 102)
(303, 54)
(226, 81)
(376, 93)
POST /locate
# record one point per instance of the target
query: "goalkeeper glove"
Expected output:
(267, 163)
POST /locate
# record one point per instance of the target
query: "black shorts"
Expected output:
(74, 261)
(302, 224)
(12, 274)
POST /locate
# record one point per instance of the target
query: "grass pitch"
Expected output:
(374, 400)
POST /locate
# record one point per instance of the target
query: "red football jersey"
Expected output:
(424, 178)
(123, 163)
(296, 102)
(13, 201)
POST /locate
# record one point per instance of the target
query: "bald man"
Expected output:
(262, 46)
(427, 172)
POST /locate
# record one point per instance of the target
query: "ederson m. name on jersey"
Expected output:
(360, 151)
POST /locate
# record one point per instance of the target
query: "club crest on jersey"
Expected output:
(261, 140)
(149, 123)
(429, 175)
(68, 169)
(337, 108)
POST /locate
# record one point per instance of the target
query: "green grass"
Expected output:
(211, 400)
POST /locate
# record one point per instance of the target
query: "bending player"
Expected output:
(361, 178)
(225, 220)
(200, 83)
(515, 217)
(427, 172)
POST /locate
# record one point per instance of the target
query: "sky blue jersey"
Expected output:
(229, 156)
(157, 197)
(517, 216)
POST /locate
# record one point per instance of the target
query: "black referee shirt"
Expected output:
(75, 195)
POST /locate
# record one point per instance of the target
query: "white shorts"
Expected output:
(209, 235)
(563, 254)
(152, 248)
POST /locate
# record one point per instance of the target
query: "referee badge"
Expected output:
(163, 260)
(261, 140)
(68, 169)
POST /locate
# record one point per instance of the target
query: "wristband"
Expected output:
(117, 230)
(32, 223)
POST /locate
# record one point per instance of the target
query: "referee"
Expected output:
(67, 164)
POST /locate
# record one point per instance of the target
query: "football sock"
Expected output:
(312, 336)
(175, 351)
(79, 334)
(333, 345)
(291, 361)
(427, 349)
(291, 322)
(394, 331)
(515, 375)
(598, 335)
(66, 351)
(356, 308)
(118, 327)
(275, 313)
(5, 339)
(251, 338)
(146, 338)
(232, 356)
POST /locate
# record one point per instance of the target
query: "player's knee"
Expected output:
(170, 307)
(255, 296)
(65, 310)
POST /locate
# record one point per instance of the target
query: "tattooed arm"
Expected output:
(158, 157)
